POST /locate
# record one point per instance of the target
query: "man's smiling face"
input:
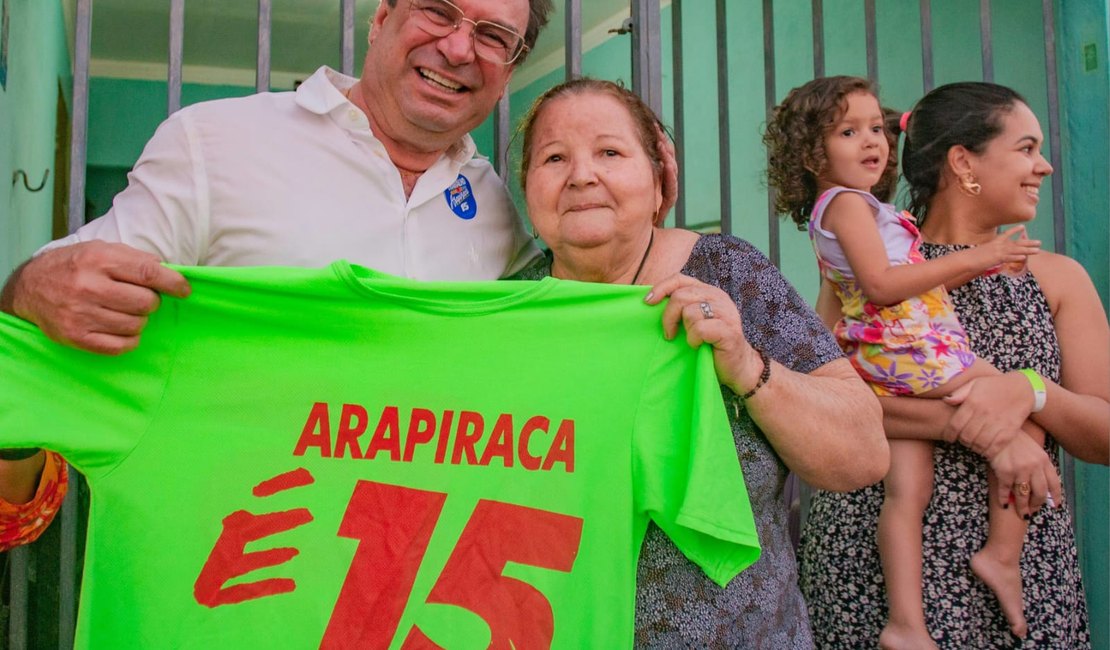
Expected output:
(435, 88)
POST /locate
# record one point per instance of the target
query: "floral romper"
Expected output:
(904, 349)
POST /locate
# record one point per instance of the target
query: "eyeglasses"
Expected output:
(492, 42)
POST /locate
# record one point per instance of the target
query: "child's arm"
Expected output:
(963, 279)
(852, 220)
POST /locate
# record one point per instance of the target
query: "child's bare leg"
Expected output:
(997, 563)
(908, 487)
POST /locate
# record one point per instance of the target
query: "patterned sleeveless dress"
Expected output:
(1009, 324)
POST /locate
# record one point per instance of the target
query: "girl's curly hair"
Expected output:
(795, 138)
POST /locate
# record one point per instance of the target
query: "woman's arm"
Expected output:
(1014, 456)
(852, 220)
(1077, 410)
(1079, 416)
(826, 425)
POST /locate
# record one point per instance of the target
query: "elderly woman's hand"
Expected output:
(990, 414)
(1024, 470)
(710, 316)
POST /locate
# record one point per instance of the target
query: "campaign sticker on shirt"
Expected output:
(460, 198)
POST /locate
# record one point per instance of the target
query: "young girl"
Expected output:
(832, 168)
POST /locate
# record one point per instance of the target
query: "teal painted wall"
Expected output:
(123, 114)
(37, 61)
(1085, 98)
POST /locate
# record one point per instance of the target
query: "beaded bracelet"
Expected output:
(763, 377)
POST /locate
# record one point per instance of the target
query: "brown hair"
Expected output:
(795, 141)
(644, 119)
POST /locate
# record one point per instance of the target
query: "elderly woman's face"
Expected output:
(590, 182)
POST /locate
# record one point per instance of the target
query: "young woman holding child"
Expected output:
(972, 159)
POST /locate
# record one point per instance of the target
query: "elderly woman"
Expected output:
(592, 172)
(972, 157)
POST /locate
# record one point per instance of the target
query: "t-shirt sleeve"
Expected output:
(687, 475)
(93, 409)
(163, 209)
(776, 319)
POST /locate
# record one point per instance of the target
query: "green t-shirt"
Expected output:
(335, 458)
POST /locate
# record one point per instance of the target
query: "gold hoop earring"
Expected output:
(969, 185)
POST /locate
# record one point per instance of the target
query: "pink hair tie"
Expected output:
(904, 121)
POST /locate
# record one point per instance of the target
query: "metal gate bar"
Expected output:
(986, 43)
(769, 101)
(262, 69)
(347, 37)
(679, 111)
(173, 77)
(67, 579)
(724, 152)
(872, 39)
(647, 65)
(18, 559)
(501, 137)
(1059, 221)
(926, 8)
(573, 39)
(1055, 158)
(818, 9)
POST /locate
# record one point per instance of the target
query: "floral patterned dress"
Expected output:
(1009, 323)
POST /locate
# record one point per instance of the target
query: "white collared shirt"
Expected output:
(298, 179)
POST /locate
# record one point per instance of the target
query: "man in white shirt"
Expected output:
(378, 170)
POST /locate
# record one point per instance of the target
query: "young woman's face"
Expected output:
(1011, 168)
(856, 148)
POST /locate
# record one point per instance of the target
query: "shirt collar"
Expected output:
(323, 94)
